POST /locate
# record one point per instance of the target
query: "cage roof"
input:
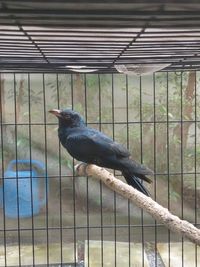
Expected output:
(91, 35)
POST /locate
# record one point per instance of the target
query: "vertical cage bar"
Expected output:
(45, 154)
(17, 177)
(87, 179)
(2, 114)
(59, 174)
(127, 138)
(115, 202)
(101, 189)
(168, 162)
(74, 188)
(141, 159)
(182, 240)
(155, 162)
(195, 161)
(30, 157)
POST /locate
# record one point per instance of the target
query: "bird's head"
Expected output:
(68, 117)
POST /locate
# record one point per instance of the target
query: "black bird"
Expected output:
(91, 146)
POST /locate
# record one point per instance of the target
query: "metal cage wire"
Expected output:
(41, 45)
(76, 231)
(96, 36)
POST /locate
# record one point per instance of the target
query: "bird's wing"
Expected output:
(115, 147)
(95, 143)
(119, 150)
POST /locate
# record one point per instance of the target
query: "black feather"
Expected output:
(94, 147)
(136, 183)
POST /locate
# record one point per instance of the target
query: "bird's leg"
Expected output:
(83, 167)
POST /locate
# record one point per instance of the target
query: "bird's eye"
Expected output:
(65, 115)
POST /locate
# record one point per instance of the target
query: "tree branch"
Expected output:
(158, 212)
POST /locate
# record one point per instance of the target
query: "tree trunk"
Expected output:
(181, 131)
(19, 100)
(187, 108)
(79, 93)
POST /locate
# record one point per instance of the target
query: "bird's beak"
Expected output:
(56, 112)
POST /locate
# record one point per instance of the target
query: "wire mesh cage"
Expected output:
(155, 116)
(51, 217)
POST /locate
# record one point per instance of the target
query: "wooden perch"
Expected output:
(158, 212)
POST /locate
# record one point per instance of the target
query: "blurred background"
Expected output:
(157, 117)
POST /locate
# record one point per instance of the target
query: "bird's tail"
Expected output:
(135, 182)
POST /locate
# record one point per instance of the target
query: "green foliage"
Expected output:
(60, 89)
(100, 98)
(26, 95)
(170, 100)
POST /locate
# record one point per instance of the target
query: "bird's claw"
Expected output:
(81, 168)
